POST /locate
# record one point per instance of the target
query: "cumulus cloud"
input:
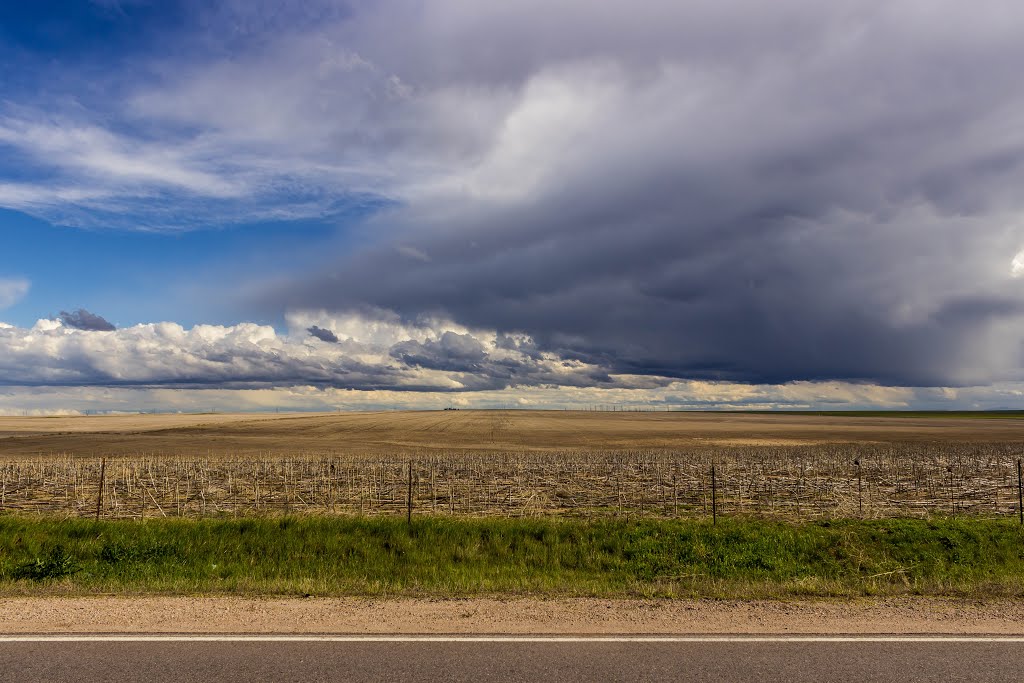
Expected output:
(82, 319)
(12, 290)
(367, 354)
(453, 351)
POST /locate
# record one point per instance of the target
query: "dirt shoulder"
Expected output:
(499, 616)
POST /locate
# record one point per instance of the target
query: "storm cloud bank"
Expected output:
(768, 193)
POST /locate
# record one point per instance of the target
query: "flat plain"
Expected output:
(472, 430)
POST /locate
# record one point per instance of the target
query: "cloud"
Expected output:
(800, 192)
(99, 153)
(378, 363)
(1017, 264)
(413, 253)
(681, 395)
(322, 334)
(84, 320)
(453, 351)
(369, 353)
(732, 199)
(12, 290)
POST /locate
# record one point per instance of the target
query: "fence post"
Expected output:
(1020, 493)
(408, 498)
(860, 497)
(675, 496)
(952, 493)
(99, 496)
(714, 496)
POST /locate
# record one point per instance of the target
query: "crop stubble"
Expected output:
(511, 463)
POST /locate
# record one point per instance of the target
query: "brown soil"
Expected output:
(496, 616)
(400, 432)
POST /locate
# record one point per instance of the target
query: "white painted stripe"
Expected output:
(324, 638)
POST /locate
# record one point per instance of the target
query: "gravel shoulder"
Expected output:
(503, 616)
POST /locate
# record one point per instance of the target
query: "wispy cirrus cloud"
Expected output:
(105, 157)
(12, 290)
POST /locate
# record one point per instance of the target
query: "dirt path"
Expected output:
(497, 616)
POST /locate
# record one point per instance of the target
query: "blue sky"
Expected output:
(396, 203)
(149, 258)
(62, 31)
(137, 277)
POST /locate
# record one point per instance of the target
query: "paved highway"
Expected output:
(462, 658)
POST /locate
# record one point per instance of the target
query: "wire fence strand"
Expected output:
(786, 482)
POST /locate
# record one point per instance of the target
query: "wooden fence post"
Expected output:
(675, 495)
(952, 492)
(860, 497)
(714, 496)
(408, 498)
(99, 496)
(1020, 493)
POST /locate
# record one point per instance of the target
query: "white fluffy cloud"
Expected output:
(370, 353)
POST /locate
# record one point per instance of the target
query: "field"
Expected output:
(514, 464)
(464, 503)
(412, 433)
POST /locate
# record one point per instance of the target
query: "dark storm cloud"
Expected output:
(802, 191)
(322, 334)
(464, 356)
(452, 352)
(82, 319)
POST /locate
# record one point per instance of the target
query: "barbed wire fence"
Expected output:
(786, 482)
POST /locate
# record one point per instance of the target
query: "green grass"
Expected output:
(462, 557)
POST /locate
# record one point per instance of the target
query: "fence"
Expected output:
(909, 480)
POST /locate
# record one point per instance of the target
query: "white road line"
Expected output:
(258, 638)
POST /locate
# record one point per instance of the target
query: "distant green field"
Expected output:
(465, 557)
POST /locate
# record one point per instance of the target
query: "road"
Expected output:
(490, 658)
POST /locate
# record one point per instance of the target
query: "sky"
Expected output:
(320, 205)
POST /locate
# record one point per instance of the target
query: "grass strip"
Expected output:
(438, 556)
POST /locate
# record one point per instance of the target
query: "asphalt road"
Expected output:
(686, 659)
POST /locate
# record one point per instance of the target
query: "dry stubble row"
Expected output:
(821, 481)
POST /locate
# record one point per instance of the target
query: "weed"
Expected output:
(56, 564)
